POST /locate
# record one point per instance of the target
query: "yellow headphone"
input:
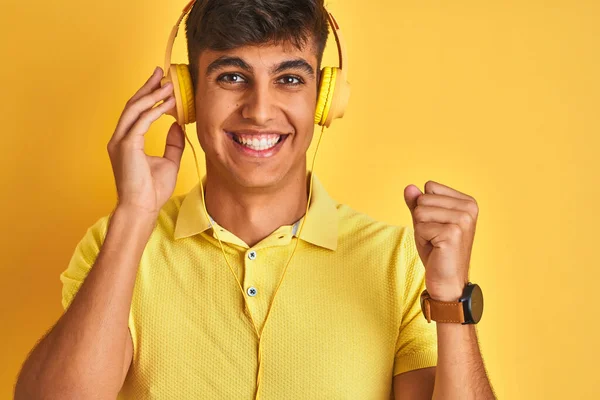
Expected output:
(334, 89)
(334, 92)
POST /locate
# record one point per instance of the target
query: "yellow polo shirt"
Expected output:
(346, 318)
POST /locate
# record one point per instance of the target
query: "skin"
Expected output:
(248, 195)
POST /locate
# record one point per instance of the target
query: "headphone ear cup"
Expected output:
(183, 91)
(340, 94)
(326, 86)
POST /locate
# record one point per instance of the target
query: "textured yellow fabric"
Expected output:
(345, 320)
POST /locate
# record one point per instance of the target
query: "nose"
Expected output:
(258, 105)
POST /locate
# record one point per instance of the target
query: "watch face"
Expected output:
(474, 307)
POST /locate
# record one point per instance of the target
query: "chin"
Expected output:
(258, 177)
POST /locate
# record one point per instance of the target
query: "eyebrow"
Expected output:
(228, 61)
(298, 63)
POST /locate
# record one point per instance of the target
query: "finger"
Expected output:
(144, 104)
(175, 144)
(146, 118)
(411, 194)
(151, 84)
(423, 214)
(437, 234)
(439, 200)
(437, 188)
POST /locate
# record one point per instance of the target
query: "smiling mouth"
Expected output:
(258, 142)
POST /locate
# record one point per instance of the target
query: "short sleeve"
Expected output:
(82, 260)
(417, 341)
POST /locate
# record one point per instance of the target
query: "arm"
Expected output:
(460, 373)
(414, 385)
(88, 352)
(444, 222)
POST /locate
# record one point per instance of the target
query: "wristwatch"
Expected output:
(467, 310)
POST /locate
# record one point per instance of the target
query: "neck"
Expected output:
(252, 214)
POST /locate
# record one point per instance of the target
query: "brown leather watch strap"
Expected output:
(441, 311)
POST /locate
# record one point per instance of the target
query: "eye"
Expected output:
(231, 78)
(291, 80)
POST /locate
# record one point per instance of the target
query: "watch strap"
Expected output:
(442, 311)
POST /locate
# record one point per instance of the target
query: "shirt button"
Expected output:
(252, 255)
(252, 291)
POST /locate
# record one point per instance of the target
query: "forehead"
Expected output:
(263, 55)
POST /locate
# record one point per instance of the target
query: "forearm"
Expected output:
(460, 372)
(83, 355)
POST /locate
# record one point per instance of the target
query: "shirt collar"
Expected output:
(321, 227)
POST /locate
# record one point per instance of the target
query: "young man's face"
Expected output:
(255, 110)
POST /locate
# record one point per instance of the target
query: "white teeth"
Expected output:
(259, 144)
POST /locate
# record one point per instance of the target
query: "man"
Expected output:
(152, 308)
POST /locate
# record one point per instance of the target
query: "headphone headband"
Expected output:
(341, 45)
(334, 27)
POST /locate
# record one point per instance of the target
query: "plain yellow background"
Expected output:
(498, 100)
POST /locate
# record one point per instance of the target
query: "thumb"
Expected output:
(175, 144)
(411, 194)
